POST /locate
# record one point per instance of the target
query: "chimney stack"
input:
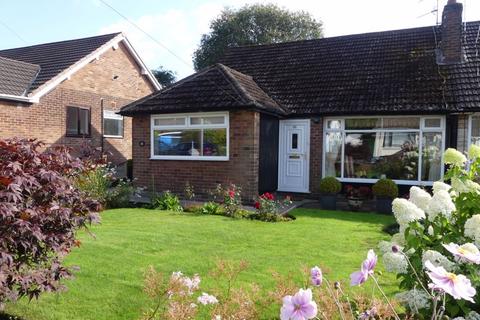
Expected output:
(450, 50)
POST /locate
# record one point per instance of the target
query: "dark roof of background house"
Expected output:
(16, 77)
(55, 57)
(214, 88)
(380, 72)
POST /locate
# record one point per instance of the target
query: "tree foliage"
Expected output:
(40, 211)
(254, 24)
(164, 76)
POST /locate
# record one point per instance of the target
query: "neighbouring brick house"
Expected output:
(280, 117)
(64, 93)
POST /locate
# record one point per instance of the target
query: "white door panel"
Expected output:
(294, 145)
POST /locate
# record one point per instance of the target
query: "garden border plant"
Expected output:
(329, 188)
(40, 212)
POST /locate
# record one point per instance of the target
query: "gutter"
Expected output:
(18, 98)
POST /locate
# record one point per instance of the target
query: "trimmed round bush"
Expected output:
(385, 188)
(330, 185)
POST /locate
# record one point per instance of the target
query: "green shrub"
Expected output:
(193, 208)
(385, 188)
(211, 208)
(167, 201)
(101, 184)
(330, 185)
(119, 195)
(95, 183)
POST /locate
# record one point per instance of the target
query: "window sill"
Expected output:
(399, 182)
(78, 136)
(186, 158)
(113, 137)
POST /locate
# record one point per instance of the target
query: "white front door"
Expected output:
(293, 155)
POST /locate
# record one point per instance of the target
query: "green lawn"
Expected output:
(109, 283)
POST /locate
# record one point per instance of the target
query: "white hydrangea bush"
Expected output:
(441, 228)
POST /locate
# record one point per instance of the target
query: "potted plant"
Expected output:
(329, 188)
(385, 190)
(356, 196)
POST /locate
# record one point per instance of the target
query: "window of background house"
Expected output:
(112, 124)
(78, 121)
(190, 136)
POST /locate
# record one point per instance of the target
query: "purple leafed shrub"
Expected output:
(40, 211)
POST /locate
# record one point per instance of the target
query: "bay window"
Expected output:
(405, 149)
(190, 136)
(474, 130)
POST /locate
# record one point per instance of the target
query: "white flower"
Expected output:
(395, 262)
(467, 252)
(386, 246)
(474, 151)
(206, 299)
(472, 228)
(414, 299)
(217, 317)
(420, 197)
(399, 238)
(466, 186)
(473, 316)
(441, 204)
(438, 185)
(438, 260)
(454, 157)
(430, 230)
(406, 212)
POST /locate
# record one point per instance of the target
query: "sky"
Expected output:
(179, 24)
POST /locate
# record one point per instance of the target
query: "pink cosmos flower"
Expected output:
(466, 252)
(458, 286)
(299, 307)
(368, 265)
(316, 276)
(206, 299)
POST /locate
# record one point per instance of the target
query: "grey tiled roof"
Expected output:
(16, 77)
(381, 72)
(214, 88)
(55, 57)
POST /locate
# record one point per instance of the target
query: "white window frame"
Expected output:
(110, 114)
(422, 129)
(188, 125)
(470, 129)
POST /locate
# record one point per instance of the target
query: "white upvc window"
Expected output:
(190, 136)
(473, 130)
(406, 149)
(112, 124)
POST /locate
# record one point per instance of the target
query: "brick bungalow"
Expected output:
(280, 117)
(68, 92)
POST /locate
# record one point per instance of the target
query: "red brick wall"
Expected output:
(241, 169)
(316, 149)
(46, 120)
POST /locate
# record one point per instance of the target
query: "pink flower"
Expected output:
(458, 286)
(368, 265)
(466, 252)
(316, 276)
(206, 299)
(231, 194)
(299, 307)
